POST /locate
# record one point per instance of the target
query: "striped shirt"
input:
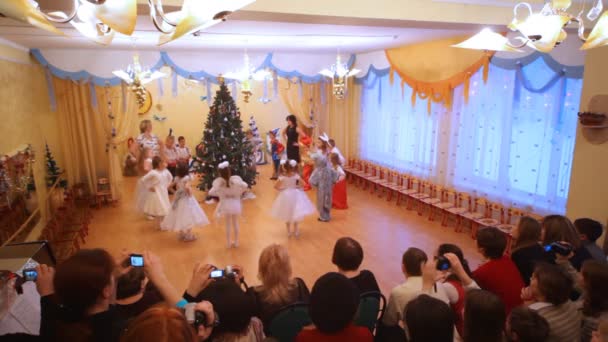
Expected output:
(564, 320)
(150, 142)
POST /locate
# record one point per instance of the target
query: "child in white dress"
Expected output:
(144, 164)
(152, 196)
(185, 212)
(292, 204)
(229, 189)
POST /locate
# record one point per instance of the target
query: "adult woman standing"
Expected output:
(292, 134)
(148, 139)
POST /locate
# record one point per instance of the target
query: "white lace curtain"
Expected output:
(512, 142)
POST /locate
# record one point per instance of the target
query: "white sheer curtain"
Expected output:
(512, 142)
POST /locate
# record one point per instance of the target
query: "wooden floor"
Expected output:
(384, 230)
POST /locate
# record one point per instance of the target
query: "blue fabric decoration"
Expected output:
(51, 89)
(93, 95)
(161, 91)
(300, 88)
(235, 94)
(323, 99)
(275, 85)
(174, 83)
(265, 92)
(208, 85)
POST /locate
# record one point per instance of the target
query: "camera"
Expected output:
(219, 273)
(195, 317)
(136, 260)
(559, 248)
(443, 264)
(30, 274)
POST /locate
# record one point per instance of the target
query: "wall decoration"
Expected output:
(145, 106)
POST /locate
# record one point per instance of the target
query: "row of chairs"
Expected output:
(68, 226)
(434, 200)
(290, 320)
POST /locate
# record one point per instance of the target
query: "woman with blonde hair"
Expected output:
(278, 288)
(148, 139)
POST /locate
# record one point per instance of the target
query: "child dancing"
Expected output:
(185, 212)
(338, 198)
(229, 189)
(323, 178)
(152, 197)
(276, 149)
(292, 204)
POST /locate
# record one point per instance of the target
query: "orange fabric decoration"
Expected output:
(443, 90)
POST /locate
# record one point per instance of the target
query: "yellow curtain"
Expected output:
(433, 69)
(300, 102)
(343, 119)
(124, 122)
(86, 132)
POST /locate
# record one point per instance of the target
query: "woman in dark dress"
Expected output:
(292, 134)
(527, 251)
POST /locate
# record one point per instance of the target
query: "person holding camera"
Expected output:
(135, 294)
(557, 229)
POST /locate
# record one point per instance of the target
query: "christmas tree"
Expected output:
(260, 156)
(52, 170)
(224, 140)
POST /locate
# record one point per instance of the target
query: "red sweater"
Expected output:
(351, 333)
(501, 277)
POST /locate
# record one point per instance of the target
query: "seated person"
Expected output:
(484, 317)
(498, 274)
(333, 305)
(526, 325)
(135, 294)
(347, 256)
(601, 334)
(558, 228)
(590, 230)
(429, 319)
(549, 295)
(413, 262)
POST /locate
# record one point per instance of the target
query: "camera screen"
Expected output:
(30, 275)
(137, 260)
(217, 274)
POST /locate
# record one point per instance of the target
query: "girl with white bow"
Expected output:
(229, 189)
(292, 204)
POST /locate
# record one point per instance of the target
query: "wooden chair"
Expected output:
(478, 211)
(435, 193)
(104, 193)
(393, 184)
(406, 188)
(448, 201)
(490, 219)
(463, 207)
(422, 191)
(509, 220)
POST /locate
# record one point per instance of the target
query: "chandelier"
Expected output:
(98, 20)
(136, 77)
(544, 30)
(247, 75)
(339, 73)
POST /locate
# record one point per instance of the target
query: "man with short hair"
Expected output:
(412, 264)
(498, 274)
(591, 230)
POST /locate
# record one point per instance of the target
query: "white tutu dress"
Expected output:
(185, 212)
(230, 197)
(154, 203)
(292, 204)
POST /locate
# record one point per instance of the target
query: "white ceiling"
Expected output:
(240, 34)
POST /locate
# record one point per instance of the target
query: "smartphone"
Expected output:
(30, 274)
(136, 260)
(217, 274)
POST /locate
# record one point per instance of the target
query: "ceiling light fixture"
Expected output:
(247, 75)
(544, 30)
(339, 73)
(99, 19)
(136, 77)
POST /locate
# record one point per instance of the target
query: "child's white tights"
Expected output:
(232, 220)
(296, 229)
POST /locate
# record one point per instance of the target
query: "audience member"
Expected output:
(527, 251)
(333, 304)
(498, 274)
(278, 288)
(601, 334)
(595, 295)
(453, 286)
(163, 323)
(347, 256)
(484, 317)
(589, 231)
(429, 319)
(549, 292)
(413, 262)
(526, 325)
(135, 294)
(558, 228)
(75, 299)
(236, 310)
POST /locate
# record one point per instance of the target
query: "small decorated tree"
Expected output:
(260, 156)
(52, 170)
(224, 140)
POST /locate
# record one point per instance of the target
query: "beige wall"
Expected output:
(589, 182)
(25, 115)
